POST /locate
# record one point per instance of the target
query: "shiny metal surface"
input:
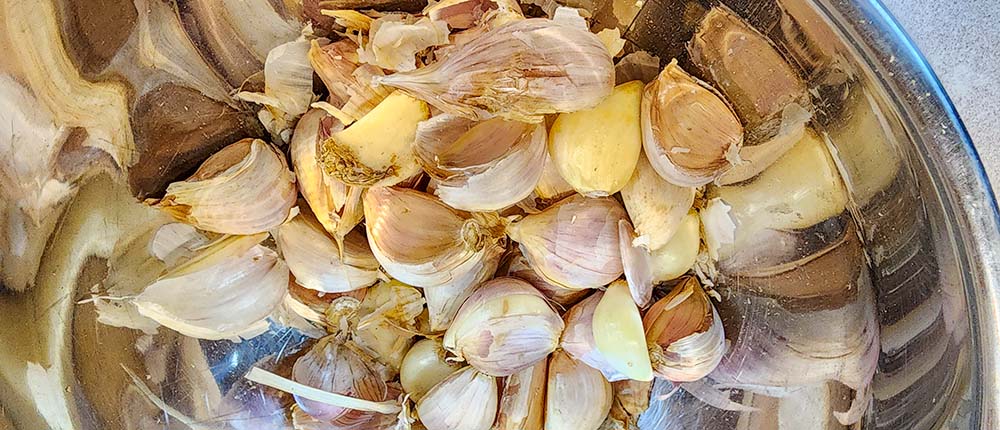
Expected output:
(909, 276)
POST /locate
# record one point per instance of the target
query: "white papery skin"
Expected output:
(577, 397)
(685, 333)
(465, 400)
(316, 261)
(326, 196)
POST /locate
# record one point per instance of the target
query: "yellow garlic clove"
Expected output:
(424, 367)
(644, 269)
(684, 333)
(522, 401)
(596, 150)
(578, 338)
(377, 150)
(337, 367)
(689, 133)
(318, 263)
(245, 188)
(577, 397)
(504, 327)
(618, 333)
(386, 321)
(467, 400)
(655, 206)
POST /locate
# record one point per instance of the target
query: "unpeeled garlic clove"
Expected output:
(596, 150)
(312, 304)
(522, 401)
(518, 267)
(387, 321)
(504, 327)
(444, 301)
(467, 400)
(574, 243)
(684, 333)
(689, 133)
(577, 397)
(645, 269)
(335, 366)
(460, 14)
(655, 206)
(352, 92)
(245, 188)
(578, 338)
(481, 166)
(618, 333)
(423, 242)
(424, 367)
(316, 261)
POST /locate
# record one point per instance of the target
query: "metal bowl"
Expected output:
(920, 205)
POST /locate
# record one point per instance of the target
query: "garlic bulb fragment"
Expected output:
(225, 291)
(519, 71)
(689, 133)
(522, 401)
(596, 150)
(684, 333)
(424, 367)
(465, 400)
(518, 267)
(574, 243)
(316, 261)
(504, 327)
(645, 269)
(578, 338)
(386, 322)
(481, 166)
(619, 335)
(423, 242)
(655, 206)
(338, 367)
(577, 397)
(245, 188)
(378, 148)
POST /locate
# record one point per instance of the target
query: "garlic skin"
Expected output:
(421, 241)
(504, 327)
(684, 333)
(288, 79)
(460, 14)
(465, 400)
(500, 73)
(350, 83)
(689, 133)
(551, 186)
(393, 43)
(574, 243)
(444, 301)
(338, 367)
(578, 338)
(518, 267)
(596, 150)
(644, 269)
(386, 321)
(577, 397)
(655, 206)
(619, 335)
(316, 261)
(522, 401)
(424, 367)
(481, 166)
(245, 188)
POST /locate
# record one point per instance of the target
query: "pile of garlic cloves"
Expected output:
(481, 229)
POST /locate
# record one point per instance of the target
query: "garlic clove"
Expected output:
(337, 367)
(522, 401)
(386, 322)
(467, 400)
(504, 327)
(637, 264)
(316, 261)
(655, 206)
(378, 148)
(460, 14)
(578, 338)
(518, 267)
(685, 333)
(596, 150)
(312, 304)
(618, 333)
(755, 158)
(574, 243)
(424, 366)
(444, 301)
(245, 188)
(644, 269)
(689, 133)
(176, 242)
(423, 242)
(577, 397)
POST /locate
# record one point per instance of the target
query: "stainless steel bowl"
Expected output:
(920, 200)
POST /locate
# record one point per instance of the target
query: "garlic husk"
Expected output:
(467, 400)
(176, 242)
(350, 83)
(551, 186)
(619, 335)
(245, 188)
(424, 366)
(655, 206)
(377, 149)
(225, 291)
(460, 14)
(578, 338)
(288, 83)
(481, 166)
(577, 397)
(504, 327)
(337, 367)
(423, 242)
(689, 133)
(522, 401)
(574, 243)
(393, 43)
(518, 267)
(684, 333)
(318, 263)
(387, 322)
(497, 73)
(312, 304)
(596, 150)
(644, 269)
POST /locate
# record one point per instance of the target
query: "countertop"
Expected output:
(961, 40)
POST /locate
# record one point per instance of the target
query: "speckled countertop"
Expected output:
(961, 40)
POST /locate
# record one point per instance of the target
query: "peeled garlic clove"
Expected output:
(337, 367)
(245, 188)
(685, 333)
(522, 402)
(504, 327)
(387, 321)
(655, 206)
(424, 367)
(578, 338)
(496, 74)
(574, 243)
(465, 400)
(645, 269)
(689, 133)
(618, 333)
(577, 397)
(318, 263)
(225, 291)
(518, 267)
(377, 150)
(596, 150)
(423, 242)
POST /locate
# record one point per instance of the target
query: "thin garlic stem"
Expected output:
(264, 377)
